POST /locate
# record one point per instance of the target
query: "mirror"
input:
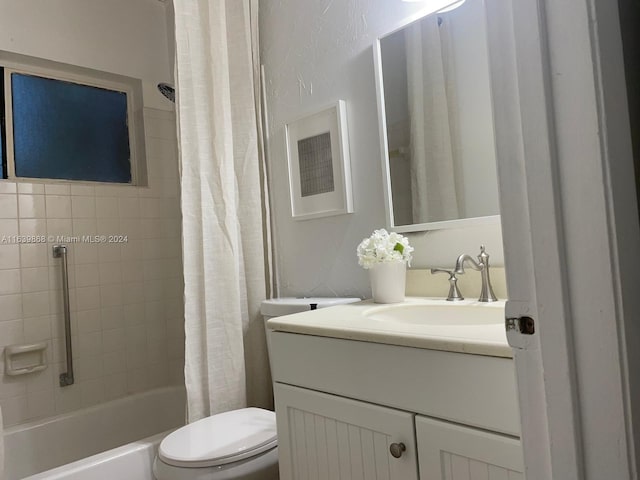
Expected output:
(436, 121)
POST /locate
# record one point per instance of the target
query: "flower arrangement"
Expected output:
(384, 247)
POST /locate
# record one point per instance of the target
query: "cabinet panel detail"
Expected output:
(454, 452)
(325, 437)
(402, 378)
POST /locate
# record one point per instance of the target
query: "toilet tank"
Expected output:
(277, 307)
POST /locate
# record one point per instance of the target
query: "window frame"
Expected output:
(132, 88)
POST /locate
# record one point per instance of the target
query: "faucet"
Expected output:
(454, 291)
(482, 265)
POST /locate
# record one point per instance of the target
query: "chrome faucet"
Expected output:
(482, 265)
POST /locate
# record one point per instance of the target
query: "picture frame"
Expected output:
(319, 164)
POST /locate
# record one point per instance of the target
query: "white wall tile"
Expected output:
(112, 317)
(89, 321)
(40, 404)
(133, 293)
(8, 228)
(107, 207)
(132, 271)
(83, 190)
(129, 207)
(87, 275)
(58, 206)
(115, 386)
(35, 279)
(32, 206)
(134, 314)
(109, 252)
(36, 382)
(60, 227)
(9, 281)
(7, 186)
(37, 329)
(10, 256)
(33, 226)
(11, 332)
(11, 386)
(88, 298)
(92, 392)
(57, 189)
(138, 380)
(110, 295)
(128, 331)
(32, 255)
(88, 368)
(85, 226)
(10, 307)
(110, 273)
(8, 205)
(108, 226)
(35, 304)
(89, 344)
(150, 208)
(114, 341)
(31, 188)
(67, 399)
(86, 253)
(14, 410)
(83, 207)
(114, 362)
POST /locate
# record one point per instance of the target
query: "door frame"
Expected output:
(568, 206)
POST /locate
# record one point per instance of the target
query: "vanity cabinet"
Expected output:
(341, 404)
(328, 437)
(447, 451)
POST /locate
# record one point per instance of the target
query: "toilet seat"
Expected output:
(220, 439)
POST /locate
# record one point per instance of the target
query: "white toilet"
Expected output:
(236, 445)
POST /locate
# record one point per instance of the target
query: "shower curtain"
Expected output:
(433, 116)
(223, 205)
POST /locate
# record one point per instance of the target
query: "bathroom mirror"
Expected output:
(436, 121)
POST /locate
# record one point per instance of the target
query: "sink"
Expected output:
(449, 314)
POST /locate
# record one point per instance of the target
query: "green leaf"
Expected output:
(399, 247)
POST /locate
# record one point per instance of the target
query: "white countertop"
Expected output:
(350, 322)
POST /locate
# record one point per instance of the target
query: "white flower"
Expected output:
(383, 246)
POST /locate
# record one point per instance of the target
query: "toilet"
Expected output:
(237, 445)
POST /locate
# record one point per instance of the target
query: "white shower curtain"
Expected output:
(433, 117)
(223, 205)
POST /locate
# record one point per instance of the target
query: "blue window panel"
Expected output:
(64, 130)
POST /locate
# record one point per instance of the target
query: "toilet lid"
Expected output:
(220, 439)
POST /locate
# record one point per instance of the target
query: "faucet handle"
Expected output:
(454, 292)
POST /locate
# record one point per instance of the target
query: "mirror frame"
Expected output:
(384, 155)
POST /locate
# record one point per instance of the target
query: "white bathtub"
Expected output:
(38, 446)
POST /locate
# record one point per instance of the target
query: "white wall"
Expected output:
(126, 299)
(314, 54)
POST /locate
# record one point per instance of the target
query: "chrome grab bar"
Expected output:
(60, 251)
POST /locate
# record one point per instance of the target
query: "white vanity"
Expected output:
(419, 390)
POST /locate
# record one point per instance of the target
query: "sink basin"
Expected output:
(450, 314)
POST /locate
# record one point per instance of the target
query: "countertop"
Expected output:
(351, 323)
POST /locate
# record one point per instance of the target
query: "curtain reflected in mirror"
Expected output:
(439, 120)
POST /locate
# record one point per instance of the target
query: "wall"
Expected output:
(126, 299)
(315, 53)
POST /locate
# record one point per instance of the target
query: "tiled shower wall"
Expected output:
(126, 297)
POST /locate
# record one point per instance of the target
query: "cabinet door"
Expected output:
(453, 452)
(326, 437)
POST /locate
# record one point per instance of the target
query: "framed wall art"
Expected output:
(319, 164)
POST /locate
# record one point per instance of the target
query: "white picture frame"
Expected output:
(319, 164)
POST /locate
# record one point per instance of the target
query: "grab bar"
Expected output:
(60, 251)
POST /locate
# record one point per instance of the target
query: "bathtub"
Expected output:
(43, 445)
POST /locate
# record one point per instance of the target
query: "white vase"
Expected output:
(388, 281)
